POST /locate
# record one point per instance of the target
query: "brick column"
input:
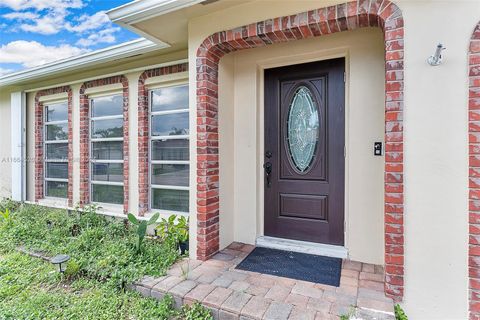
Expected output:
(474, 174)
(85, 137)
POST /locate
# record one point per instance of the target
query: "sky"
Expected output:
(35, 32)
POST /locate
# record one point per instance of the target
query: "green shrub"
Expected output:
(399, 313)
(195, 312)
(142, 227)
(104, 248)
(72, 270)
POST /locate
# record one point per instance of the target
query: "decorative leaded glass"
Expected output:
(302, 129)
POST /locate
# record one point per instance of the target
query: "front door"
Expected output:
(304, 162)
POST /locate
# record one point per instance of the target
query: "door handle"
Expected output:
(268, 171)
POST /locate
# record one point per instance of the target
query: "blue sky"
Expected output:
(35, 32)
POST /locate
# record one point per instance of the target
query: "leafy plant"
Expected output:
(173, 232)
(103, 248)
(72, 270)
(349, 314)
(399, 313)
(195, 312)
(142, 227)
(6, 217)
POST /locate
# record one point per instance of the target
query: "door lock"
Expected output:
(268, 171)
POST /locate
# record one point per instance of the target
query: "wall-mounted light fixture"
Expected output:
(436, 59)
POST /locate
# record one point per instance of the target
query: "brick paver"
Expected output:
(255, 308)
(241, 295)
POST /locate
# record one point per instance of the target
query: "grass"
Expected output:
(103, 263)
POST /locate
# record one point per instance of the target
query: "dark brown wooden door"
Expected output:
(304, 162)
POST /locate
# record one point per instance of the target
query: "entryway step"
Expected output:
(230, 293)
(318, 249)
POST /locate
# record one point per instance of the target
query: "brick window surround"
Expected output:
(143, 130)
(342, 17)
(39, 146)
(474, 174)
(85, 137)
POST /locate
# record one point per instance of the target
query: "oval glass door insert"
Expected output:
(302, 129)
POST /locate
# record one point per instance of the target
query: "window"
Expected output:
(106, 150)
(169, 148)
(56, 150)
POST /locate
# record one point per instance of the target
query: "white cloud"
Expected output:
(87, 23)
(51, 23)
(18, 5)
(4, 71)
(20, 16)
(103, 36)
(32, 53)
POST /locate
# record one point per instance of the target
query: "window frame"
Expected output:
(92, 161)
(47, 142)
(151, 138)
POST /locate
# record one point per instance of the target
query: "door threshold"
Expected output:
(318, 249)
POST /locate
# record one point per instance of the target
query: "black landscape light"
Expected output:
(60, 261)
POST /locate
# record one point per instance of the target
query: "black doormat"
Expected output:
(294, 265)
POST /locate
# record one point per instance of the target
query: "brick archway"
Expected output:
(342, 17)
(474, 173)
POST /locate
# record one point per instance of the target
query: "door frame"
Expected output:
(320, 55)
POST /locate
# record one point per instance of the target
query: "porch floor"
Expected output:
(238, 294)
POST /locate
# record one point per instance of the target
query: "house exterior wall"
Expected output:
(436, 148)
(435, 122)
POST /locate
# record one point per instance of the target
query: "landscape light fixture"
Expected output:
(61, 262)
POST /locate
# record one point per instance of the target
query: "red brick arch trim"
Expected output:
(342, 17)
(474, 174)
(85, 137)
(39, 136)
(144, 130)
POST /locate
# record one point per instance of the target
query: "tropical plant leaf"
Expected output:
(154, 218)
(132, 219)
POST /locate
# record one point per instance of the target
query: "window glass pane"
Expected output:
(107, 172)
(175, 200)
(170, 98)
(58, 170)
(170, 174)
(56, 189)
(170, 124)
(111, 128)
(57, 151)
(107, 106)
(107, 150)
(57, 112)
(57, 131)
(173, 149)
(107, 194)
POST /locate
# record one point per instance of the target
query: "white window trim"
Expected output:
(110, 206)
(153, 85)
(46, 142)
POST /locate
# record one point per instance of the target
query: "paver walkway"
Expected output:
(238, 294)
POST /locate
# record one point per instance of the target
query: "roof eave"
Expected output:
(137, 11)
